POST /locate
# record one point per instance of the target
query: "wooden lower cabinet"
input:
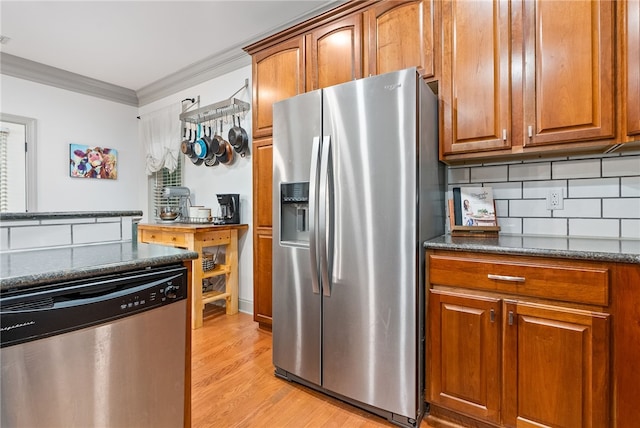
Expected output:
(556, 367)
(464, 344)
(497, 358)
(262, 305)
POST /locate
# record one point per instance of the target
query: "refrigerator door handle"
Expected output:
(323, 208)
(313, 218)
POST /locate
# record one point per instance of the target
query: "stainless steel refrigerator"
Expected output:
(357, 189)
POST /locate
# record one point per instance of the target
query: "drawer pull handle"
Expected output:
(506, 278)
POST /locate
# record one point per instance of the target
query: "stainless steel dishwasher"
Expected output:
(100, 352)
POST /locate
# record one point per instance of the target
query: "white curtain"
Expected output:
(160, 136)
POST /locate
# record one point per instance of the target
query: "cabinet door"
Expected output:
(630, 39)
(568, 71)
(262, 221)
(334, 53)
(278, 73)
(556, 371)
(262, 304)
(400, 34)
(262, 182)
(464, 346)
(475, 85)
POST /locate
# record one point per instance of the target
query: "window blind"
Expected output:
(4, 178)
(164, 178)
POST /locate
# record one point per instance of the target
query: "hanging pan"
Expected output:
(195, 158)
(238, 137)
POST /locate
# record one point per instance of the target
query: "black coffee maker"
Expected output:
(229, 209)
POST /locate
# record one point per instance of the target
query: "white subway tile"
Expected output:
(621, 166)
(528, 208)
(544, 226)
(576, 169)
(11, 223)
(108, 220)
(559, 158)
(100, 232)
(488, 173)
(630, 186)
(632, 247)
(630, 229)
(126, 226)
(594, 227)
(508, 190)
(510, 225)
(580, 208)
(621, 208)
(594, 188)
(544, 242)
(532, 171)
(604, 245)
(502, 208)
(67, 220)
(4, 239)
(458, 175)
(39, 236)
(540, 189)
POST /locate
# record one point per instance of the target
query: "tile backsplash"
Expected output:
(601, 194)
(47, 233)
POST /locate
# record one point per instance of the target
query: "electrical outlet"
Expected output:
(555, 199)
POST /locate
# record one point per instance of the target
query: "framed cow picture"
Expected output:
(93, 162)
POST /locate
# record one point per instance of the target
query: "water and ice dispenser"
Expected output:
(294, 212)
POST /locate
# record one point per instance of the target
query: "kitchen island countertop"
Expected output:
(30, 268)
(595, 249)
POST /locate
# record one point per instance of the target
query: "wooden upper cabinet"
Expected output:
(278, 73)
(475, 88)
(629, 36)
(568, 73)
(400, 34)
(263, 183)
(334, 53)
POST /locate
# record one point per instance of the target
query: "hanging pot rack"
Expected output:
(228, 107)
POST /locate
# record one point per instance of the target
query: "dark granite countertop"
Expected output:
(596, 249)
(30, 268)
(67, 214)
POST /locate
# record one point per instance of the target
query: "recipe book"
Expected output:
(473, 206)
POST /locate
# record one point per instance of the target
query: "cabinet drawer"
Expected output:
(163, 238)
(582, 283)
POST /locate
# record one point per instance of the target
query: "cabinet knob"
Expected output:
(504, 134)
(530, 131)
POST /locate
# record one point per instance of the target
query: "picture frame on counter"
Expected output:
(472, 211)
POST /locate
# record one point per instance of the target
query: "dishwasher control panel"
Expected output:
(58, 308)
(161, 294)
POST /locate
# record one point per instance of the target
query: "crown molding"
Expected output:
(194, 74)
(199, 72)
(12, 65)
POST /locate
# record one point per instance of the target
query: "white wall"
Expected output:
(205, 182)
(65, 117)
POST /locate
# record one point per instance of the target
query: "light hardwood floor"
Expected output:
(233, 384)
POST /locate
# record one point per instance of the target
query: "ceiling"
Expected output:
(133, 44)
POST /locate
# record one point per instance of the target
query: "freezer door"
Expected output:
(296, 306)
(370, 316)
